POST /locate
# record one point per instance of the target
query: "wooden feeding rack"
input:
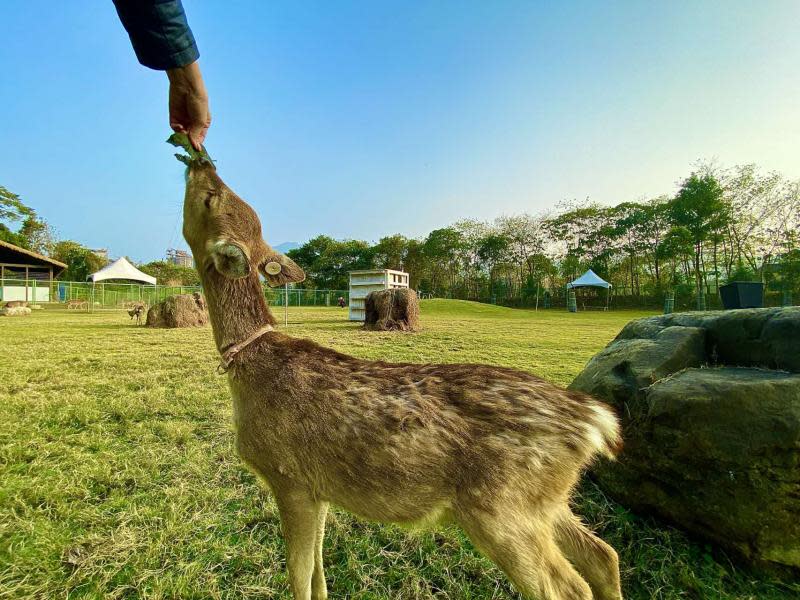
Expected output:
(364, 282)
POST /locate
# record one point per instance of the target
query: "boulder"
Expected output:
(183, 310)
(710, 407)
(392, 310)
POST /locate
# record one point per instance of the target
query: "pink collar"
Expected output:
(229, 354)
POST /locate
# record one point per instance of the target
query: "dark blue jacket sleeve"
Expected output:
(159, 32)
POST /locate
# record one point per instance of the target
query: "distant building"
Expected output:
(101, 252)
(180, 258)
(364, 282)
(26, 275)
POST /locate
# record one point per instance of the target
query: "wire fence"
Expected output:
(80, 295)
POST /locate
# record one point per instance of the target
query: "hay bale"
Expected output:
(392, 310)
(184, 310)
(15, 311)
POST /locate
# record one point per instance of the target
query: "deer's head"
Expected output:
(224, 232)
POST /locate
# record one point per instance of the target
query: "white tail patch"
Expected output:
(604, 431)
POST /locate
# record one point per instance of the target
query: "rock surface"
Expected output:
(183, 310)
(710, 405)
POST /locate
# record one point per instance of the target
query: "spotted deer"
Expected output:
(496, 450)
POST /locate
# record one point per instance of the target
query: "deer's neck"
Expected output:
(237, 307)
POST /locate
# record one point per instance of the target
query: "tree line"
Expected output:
(722, 225)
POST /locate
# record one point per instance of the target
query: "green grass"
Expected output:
(118, 477)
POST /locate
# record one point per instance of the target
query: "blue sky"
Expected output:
(359, 120)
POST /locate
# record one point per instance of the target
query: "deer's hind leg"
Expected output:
(595, 560)
(523, 546)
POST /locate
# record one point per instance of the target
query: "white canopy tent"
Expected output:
(591, 279)
(121, 269)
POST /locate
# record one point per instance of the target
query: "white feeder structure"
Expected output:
(364, 282)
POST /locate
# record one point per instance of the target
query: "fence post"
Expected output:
(787, 298)
(701, 298)
(669, 302)
(572, 301)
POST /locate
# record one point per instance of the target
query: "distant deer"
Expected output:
(496, 450)
(137, 312)
(77, 304)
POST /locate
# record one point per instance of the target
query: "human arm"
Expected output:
(162, 40)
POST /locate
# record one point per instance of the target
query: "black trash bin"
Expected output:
(742, 294)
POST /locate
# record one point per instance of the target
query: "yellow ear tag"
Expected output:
(273, 268)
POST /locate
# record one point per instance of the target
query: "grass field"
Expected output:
(118, 477)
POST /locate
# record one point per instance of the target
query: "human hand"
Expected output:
(188, 103)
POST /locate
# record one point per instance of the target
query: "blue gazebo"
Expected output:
(591, 279)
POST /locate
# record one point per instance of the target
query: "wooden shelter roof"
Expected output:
(14, 255)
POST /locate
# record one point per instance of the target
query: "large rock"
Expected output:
(710, 405)
(183, 310)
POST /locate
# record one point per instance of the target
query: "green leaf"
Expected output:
(181, 140)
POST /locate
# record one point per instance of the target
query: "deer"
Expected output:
(137, 312)
(495, 450)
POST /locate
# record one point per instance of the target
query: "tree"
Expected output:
(37, 234)
(327, 262)
(168, 273)
(390, 252)
(527, 237)
(12, 210)
(469, 267)
(441, 248)
(587, 232)
(761, 223)
(11, 237)
(493, 250)
(417, 266)
(701, 210)
(11, 207)
(81, 262)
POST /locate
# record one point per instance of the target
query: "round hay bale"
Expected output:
(15, 311)
(183, 310)
(392, 310)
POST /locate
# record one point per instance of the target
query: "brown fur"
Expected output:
(494, 449)
(77, 304)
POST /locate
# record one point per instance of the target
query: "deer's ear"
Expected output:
(279, 269)
(231, 259)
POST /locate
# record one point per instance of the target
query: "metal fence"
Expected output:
(304, 297)
(92, 296)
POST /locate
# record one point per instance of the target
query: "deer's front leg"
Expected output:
(319, 589)
(300, 518)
